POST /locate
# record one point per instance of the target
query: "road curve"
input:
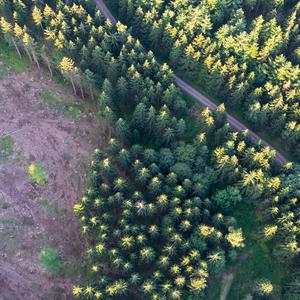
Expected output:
(236, 125)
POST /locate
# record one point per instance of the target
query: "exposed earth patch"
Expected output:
(35, 217)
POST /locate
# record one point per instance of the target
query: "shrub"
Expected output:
(182, 170)
(37, 173)
(6, 148)
(50, 260)
(185, 153)
(264, 288)
(227, 199)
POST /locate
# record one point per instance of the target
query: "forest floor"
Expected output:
(227, 282)
(257, 261)
(42, 123)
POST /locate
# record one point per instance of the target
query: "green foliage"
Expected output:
(292, 290)
(54, 103)
(37, 173)
(52, 208)
(74, 113)
(185, 153)
(50, 260)
(146, 216)
(182, 170)
(285, 211)
(9, 60)
(245, 53)
(51, 100)
(157, 214)
(227, 199)
(152, 227)
(216, 261)
(258, 259)
(264, 289)
(6, 148)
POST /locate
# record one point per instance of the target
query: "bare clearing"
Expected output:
(36, 216)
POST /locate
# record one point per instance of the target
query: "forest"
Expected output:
(243, 53)
(159, 216)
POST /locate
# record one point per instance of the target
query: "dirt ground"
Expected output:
(33, 217)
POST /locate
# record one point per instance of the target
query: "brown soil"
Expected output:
(32, 216)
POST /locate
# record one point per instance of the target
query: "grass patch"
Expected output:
(51, 100)
(213, 289)
(10, 61)
(6, 148)
(52, 208)
(50, 260)
(3, 204)
(256, 262)
(37, 173)
(73, 112)
(69, 110)
(260, 263)
(9, 236)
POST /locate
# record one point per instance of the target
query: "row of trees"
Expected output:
(102, 51)
(284, 226)
(245, 53)
(158, 212)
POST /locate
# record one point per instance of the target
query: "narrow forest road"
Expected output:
(227, 282)
(106, 12)
(237, 125)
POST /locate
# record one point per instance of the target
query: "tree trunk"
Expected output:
(35, 58)
(49, 67)
(28, 54)
(91, 93)
(73, 85)
(81, 90)
(16, 46)
(46, 59)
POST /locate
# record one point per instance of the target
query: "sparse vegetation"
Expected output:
(3, 204)
(50, 260)
(74, 112)
(51, 100)
(27, 224)
(63, 106)
(6, 148)
(10, 61)
(51, 207)
(37, 173)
